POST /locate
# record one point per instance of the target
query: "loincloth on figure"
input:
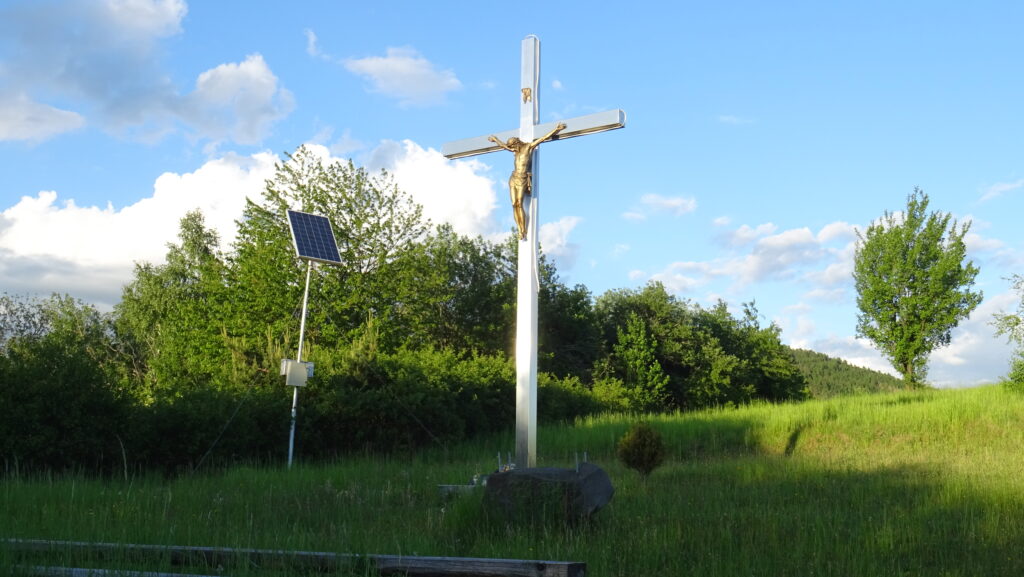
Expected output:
(523, 181)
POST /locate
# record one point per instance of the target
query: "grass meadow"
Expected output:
(912, 483)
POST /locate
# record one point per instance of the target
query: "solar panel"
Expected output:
(313, 237)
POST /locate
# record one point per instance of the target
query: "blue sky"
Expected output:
(759, 137)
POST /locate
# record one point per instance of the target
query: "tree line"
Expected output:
(411, 338)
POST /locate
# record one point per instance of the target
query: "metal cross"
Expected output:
(527, 279)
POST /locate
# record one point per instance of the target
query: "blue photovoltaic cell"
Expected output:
(313, 237)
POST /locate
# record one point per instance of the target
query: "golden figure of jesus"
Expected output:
(520, 183)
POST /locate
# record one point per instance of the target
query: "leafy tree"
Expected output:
(58, 385)
(709, 357)
(633, 360)
(467, 288)
(568, 339)
(377, 227)
(913, 286)
(1012, 325)
(171, 317)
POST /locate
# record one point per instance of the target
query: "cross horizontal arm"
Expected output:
(578, 126)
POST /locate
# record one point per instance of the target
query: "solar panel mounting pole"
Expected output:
(295, 390)
(314, 241)
(527, 278)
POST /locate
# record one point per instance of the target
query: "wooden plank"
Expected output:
(40, 571)
(385, 564)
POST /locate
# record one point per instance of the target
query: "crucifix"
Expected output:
(523, 187)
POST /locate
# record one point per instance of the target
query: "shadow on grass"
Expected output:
(686, 437)
(775, 516)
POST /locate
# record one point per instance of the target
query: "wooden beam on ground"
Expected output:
(384, 564)
(92, 572)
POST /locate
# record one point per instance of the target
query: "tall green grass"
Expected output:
(912, 483)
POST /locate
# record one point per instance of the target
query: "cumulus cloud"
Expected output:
(238, 102)
(455, 192)
(405, 75)
(50, 245)
(837, 231)
(797, 254)
(776, 256)
(72, 61)
(554, 241)
(745, 234)
(974, 348)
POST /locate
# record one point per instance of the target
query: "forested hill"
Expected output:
(830, 377)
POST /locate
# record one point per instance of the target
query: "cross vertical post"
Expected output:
(528, 280)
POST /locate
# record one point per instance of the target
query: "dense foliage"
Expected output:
(913, 286)
(831, 377)
(411, 337)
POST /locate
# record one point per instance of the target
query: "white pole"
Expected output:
(527, 281)
(295, 393)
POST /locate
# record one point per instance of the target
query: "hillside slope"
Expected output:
(830, 377)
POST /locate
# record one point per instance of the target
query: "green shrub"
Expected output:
(641, 449)
(1015, 380)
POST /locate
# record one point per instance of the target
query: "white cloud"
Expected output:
(677, 205)
(1001, 188)
(556, 84)
(342, 146)
(837, 231)
(777, 256)
(974, 349)
(979, 244)
(745, 234)
(855, 351)
(796, 254)
(89, 251)
(311, 43)
(826, 295)
(456, 192)
(554, 241)
(157, 18)
(636, 274)
(23, 119)
(101, 61)
(619, 250)
(685, 276)
(652, 204)
(405, 75)
(722, 221)
(238, 101)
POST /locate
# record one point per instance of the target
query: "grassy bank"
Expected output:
(927, 482)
